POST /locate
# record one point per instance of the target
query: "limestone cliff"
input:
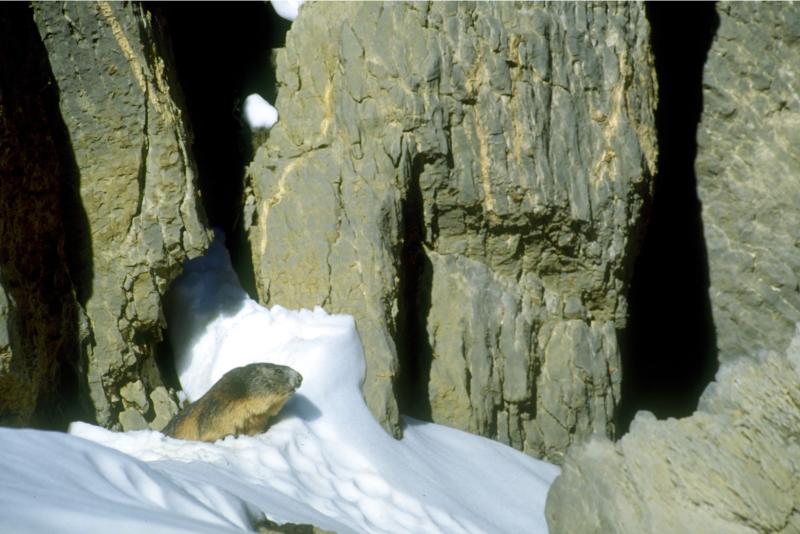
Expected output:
(136, 185)
(734, 465)
(470, 189)
(101, 208)
(747, 176)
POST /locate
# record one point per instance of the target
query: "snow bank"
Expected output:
(326, 461)
(53, 482)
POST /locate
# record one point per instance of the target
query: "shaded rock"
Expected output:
(39, 319)
(747, 165)
(733, 466)
(470, 190)
(131, 186)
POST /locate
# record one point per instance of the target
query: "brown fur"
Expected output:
(241, 402)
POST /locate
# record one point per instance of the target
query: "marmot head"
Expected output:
(257, 379)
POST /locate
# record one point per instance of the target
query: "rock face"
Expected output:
(38, 311)
(733, 466)
(108, 230)
(470, 190)
(747, 169)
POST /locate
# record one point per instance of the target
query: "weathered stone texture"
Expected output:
(733, 466)
(38, 310)
(474, 173)
(136, 187)
(748, 175)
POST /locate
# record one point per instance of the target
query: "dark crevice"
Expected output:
(45, 245)
(414, 303)
(73, 384)
(222, 54)
(669, 347)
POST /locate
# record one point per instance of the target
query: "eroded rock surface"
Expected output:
(134, 209)
(748, 166)
(733, 466)
(466, 180)
(39, 350)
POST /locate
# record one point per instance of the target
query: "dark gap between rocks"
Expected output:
(414, 351)
(669, 347)
(45, 283)
(222, 54)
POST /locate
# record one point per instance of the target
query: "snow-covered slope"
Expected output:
(326, 460)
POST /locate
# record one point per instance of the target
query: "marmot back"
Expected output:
(241, 402)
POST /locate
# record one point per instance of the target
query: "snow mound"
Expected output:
(325, 461)
(54, 482)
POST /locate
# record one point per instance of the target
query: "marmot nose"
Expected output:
(296, 379)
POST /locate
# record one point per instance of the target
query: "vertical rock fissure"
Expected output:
(668, 349)
(141, 175)
(413, 346)
(215, 76)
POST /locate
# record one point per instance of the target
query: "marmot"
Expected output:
(241, 402)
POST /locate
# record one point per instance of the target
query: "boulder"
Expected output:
(467, 180)
(733, 466)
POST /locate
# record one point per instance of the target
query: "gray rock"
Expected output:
(747, 165)
(132, 419)
(136, 187)
(733, 466)
(470, 190)
(164, 406)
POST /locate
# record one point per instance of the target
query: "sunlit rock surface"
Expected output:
(733, 466)
(470, 190)
(747, 176)
(135, 210)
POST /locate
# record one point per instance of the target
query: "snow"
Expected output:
(287, 9)
(259, 113)
(325, 460)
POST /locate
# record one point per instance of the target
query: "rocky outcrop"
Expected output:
(98, 232)
(733, 466)
(38, 312)
(470, 190)
(747, 169)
